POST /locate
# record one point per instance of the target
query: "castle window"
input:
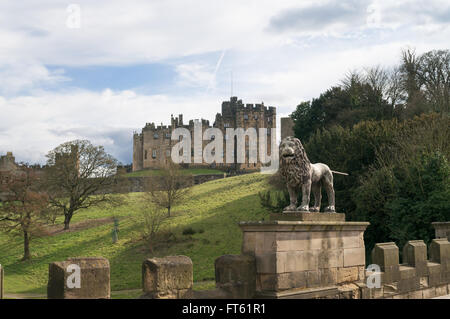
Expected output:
(145, 155)
(168, 153)
(268, 131)
(155, 136)
(154, 153)
(226, 125)
(245, 116)
(168, 136)
(256, 117)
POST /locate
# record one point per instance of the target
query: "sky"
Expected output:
(99, 70)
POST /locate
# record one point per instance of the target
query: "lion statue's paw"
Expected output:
(314, 209)
(330, 209)
(304, 208)
(291, 208)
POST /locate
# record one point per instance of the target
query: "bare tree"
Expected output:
(79, 175)
(21, 212)
(433, 72)
(153, 219)
(170, 188)
(378, 78)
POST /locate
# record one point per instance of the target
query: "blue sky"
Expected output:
(128, 63)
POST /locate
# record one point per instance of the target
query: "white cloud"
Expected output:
(276, 53)
(33, 125)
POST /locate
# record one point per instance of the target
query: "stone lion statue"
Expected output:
(298, 172)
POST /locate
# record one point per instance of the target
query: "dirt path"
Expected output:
(59, 229)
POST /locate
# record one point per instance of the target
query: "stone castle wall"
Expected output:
(152, 147)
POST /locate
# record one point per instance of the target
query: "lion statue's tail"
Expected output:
(340, 173)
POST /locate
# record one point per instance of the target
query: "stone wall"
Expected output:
(417, 277)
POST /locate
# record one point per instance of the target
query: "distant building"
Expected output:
(287, 127)
(8, 162)
(153, 145)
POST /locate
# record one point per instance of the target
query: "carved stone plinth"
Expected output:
(308, 216)
(299, 254)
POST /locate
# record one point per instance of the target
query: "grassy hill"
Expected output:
(187, 171)
(212, 211)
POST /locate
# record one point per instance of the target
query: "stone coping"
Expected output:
(299, 293)
(282, 225)
(308, 216)
(440, 224)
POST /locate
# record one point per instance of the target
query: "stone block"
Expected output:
(400, 296)
(441, 290)
(440, 251)
(330, 258)
(429, 293)
(291, 280)
(361, 273)
(249, 243)
(236, 273)
(386, 256)
(292, 241)
(434, 271)
(328, 276)
(390, 289)
(442, 229)
(352, 239)
(266, 263)
(312, 278)
(266, 282)
(415, 294)
(409, 284)
(415, 255)
(347, 274)
(354, 257)
(165, 277)
(92, 274)
(349, 291)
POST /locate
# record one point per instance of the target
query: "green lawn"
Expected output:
(187, 171)
(213, 210)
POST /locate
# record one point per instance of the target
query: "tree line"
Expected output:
(389, 129)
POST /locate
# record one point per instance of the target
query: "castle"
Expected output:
(152, 147)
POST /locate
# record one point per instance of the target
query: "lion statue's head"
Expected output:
(294, 164)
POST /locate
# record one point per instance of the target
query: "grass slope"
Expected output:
(214, 208)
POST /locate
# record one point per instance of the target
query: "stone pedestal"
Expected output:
(167, 278)
(442, 229)
(93, 276)
(305, 253)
